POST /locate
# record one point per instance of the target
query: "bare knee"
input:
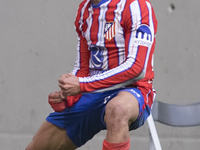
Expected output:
(121, 111)
(116, 116)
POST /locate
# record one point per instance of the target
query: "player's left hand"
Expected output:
(69, 84)
(56, 102)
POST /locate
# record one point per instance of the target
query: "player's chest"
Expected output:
(101, 25)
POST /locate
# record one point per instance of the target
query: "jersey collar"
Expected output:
(101, 2)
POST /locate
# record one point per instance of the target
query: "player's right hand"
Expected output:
(57, 101)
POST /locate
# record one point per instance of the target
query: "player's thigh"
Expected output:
(127, 103)
(51, 137)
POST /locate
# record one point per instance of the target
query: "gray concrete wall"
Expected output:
(38, 44)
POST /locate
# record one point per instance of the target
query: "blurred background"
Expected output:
(38, 45)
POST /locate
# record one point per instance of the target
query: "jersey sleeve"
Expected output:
(81, 66)
(139, 32)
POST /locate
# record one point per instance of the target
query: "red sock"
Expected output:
(116, 146)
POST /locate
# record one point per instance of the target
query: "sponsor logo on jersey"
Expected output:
(109, 30)
(96, 56)
(144, 36)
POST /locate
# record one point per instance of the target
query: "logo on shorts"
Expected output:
(109, 30)
(106, 99)
(144, 36)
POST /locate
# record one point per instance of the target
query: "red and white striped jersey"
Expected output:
(116, 44)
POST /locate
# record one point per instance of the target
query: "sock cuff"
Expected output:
(116, 146)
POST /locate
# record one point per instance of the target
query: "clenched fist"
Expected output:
(69, 84)
(57, 101)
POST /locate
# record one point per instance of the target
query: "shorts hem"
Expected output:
(56, 123)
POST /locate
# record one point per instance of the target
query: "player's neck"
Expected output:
(95, 1)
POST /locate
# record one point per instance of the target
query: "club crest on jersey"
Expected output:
(109, 30)
(144, 36)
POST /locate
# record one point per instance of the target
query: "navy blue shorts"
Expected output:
(86, 118)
